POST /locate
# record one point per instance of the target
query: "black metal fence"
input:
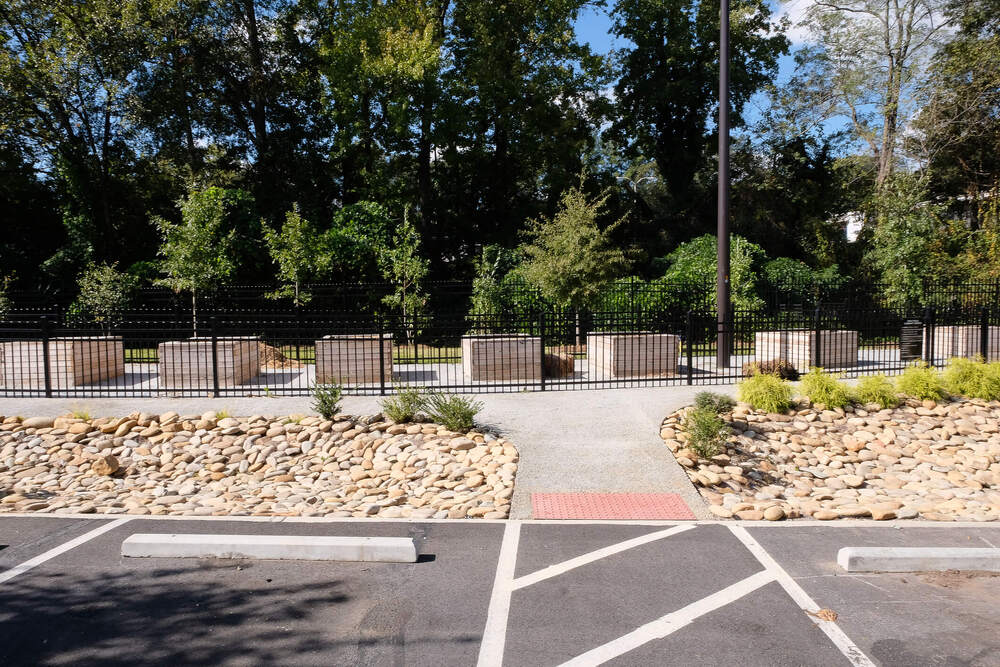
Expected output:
(260, 354)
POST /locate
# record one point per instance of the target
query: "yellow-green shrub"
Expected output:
(877, 389)
(820, 387)
(973, 379)
(921, 382)
(766, 392)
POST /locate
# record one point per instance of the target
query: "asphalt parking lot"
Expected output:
(491, 593)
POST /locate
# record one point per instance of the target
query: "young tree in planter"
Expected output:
(568, 257)
(402, 265)
(105, 293)
(5, 304)
(197, 253)
(299, 253)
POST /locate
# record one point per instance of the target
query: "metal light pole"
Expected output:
(722, 300)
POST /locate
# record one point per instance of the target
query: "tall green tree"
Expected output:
(667, 91)
(197, 253)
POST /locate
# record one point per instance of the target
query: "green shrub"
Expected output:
(718, 403)
(706, 431)
(454, 412)
(820, 387)
(404, 406)
(973, 379)
(921, 382)
(779, 367)
(877, 389)
(766, 392)
(326, 399)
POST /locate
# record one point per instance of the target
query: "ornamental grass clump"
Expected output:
(766, 392)
(454, 412)
(877, 389)
(973, 379)
(718, 403)
(706, 431)
(922, 383)
(820, 387)
(404, 406)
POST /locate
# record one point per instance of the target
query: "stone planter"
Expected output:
(187, 364)
(837, 349)
(354, 359)
(501, 358)
(73, 361)
(620, 355)
(966, 342)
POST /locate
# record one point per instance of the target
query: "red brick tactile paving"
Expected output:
(636, 506)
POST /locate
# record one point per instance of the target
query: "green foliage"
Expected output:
(706, 431)
(694, 262)
(568, 257)
(404, 406)
(5, 302)
(909, 247)
(454, 412)
(105, 293)
(921, 382)
(777, 367)
(766, 392)
(491, 282)
(80, 414)
(973, 379)
(197, 253)
(718, 403)
(299, 254)
(876, 389)
(326, 399)
(825, 388)
(402, 265)
(359, 234)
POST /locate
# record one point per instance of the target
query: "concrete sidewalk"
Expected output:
(569, 441)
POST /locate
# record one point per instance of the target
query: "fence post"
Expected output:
(381, 354)
(215, 355)
(46, 370)
(984, 333)
(689, 326)
(929, 335)
(817, 360)
(541, 343)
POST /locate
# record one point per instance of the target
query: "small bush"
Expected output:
(778, 367)
(706, 431)
(404, 406)
(820, 387)
(766, 392)
(718, 403)
(81, 414)
(223, 414)
(921, 382)
(973, 379)
(326, 399)
(877, 389)
(454, 412)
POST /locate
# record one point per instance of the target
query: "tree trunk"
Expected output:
(194, 314)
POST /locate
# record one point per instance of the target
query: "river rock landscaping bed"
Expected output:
(285, 466)
(936, 461)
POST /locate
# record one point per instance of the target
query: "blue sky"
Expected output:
(594, 27)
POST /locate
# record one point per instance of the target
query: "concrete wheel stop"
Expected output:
(271, 547)
(918, 559)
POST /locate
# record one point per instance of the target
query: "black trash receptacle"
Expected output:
(911, 340)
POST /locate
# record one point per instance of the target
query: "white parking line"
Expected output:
(832, 630)
(567, 565)
(495, 633)
(670, 623)
(61, 549)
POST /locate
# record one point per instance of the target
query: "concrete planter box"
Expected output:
(354, 359)
(837, 349)
(965, 342)
(501, 358)
(620, 355)
(73, 361)
(187, 364)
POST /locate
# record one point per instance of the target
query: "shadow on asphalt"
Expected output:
(149, 617)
